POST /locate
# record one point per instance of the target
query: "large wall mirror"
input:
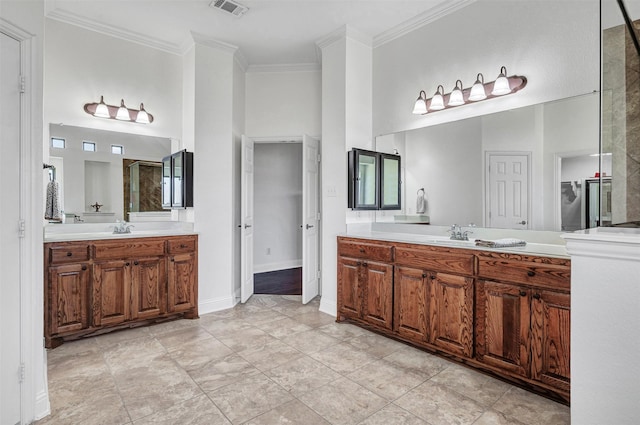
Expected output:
(527, 168)
(121, 172)
(621, 107)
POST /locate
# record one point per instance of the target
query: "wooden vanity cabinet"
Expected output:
(115, 283)
(504, 313)
(434, 293)
(365, 277)
(523, 316)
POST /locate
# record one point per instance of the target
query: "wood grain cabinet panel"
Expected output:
(182, 283)
(451, 313)
(349, 295)
(148, 288)
(378, 293)
(111, 292)
(550, 346)
(411, 302)
(503, 321)
(68, 298)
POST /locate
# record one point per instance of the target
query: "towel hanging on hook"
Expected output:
(421, 202)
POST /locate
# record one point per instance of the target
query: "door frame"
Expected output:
(487, 190)
(298, 140)
(34, 399)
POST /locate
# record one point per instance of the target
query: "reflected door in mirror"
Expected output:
(390, 182)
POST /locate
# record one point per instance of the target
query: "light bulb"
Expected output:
(456, 98)
(477, 90)
(123, 112)
(420, 106)
(102, 111)
(437, 101)
(143, 117)
(501, 85)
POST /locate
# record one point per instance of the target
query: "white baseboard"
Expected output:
(216, 304)
(329, 306)
(283, 265)
(42, 407)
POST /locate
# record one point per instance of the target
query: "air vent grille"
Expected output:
(232, 7)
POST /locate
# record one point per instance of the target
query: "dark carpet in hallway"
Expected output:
(279, 282)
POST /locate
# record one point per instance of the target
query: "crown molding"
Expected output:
(113, 31)
(344, 32)
(291, 67)
(213, 43)
(431, 15)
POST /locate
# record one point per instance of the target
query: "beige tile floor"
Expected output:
(274, 361)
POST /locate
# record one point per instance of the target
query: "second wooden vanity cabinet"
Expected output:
(504, 313)
(366, 283)
(95, 285)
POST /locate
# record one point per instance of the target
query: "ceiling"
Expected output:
(272, 32)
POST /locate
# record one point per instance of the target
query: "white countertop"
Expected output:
(97, 231)
(548, 250)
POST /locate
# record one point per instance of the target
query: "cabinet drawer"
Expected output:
(137, 248)
(546, 272)
(68, 253)
(177, 246)
(435, 259)
(365, 249)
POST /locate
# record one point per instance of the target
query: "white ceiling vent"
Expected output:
(236, 9)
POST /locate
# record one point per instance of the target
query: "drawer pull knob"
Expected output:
(182, 245)
(365, 264)
(536, 296)
(523, 293)
(358, 263)
(531, 273)
(173, 259)
(69, 254)
(84, 267)
(424, 275)
(135, 263)
(127, 264)
(362, 250)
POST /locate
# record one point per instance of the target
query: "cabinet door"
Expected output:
(451, 313)
(390, 182)
(502, 326)
(68, 292)
(364, 180)
(349, 291)
(411, 295)
(111, 292)
(181, 291)
(550, 338)
(378, 293)
(166, 182)
(148, 290)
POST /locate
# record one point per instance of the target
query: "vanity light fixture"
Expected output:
(102, 110)
(503, 85)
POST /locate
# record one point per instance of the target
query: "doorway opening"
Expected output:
(277, 253)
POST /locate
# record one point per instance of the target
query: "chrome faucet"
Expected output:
(458, 233)
(122, 227)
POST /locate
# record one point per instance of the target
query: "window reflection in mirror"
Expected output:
(366, 179)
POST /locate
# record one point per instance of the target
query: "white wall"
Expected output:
(239, 118)
(444, 161)
(286, 103)
(555, 44)
(75, 198)
(278, 206)
(82, 65)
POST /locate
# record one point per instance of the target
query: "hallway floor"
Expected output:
(274, 361)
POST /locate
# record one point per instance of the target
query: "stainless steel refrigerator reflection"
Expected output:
(579, 204)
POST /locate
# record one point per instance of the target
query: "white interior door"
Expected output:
(246, 212)
(508, 190)
(310, 217)
(10, 353)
